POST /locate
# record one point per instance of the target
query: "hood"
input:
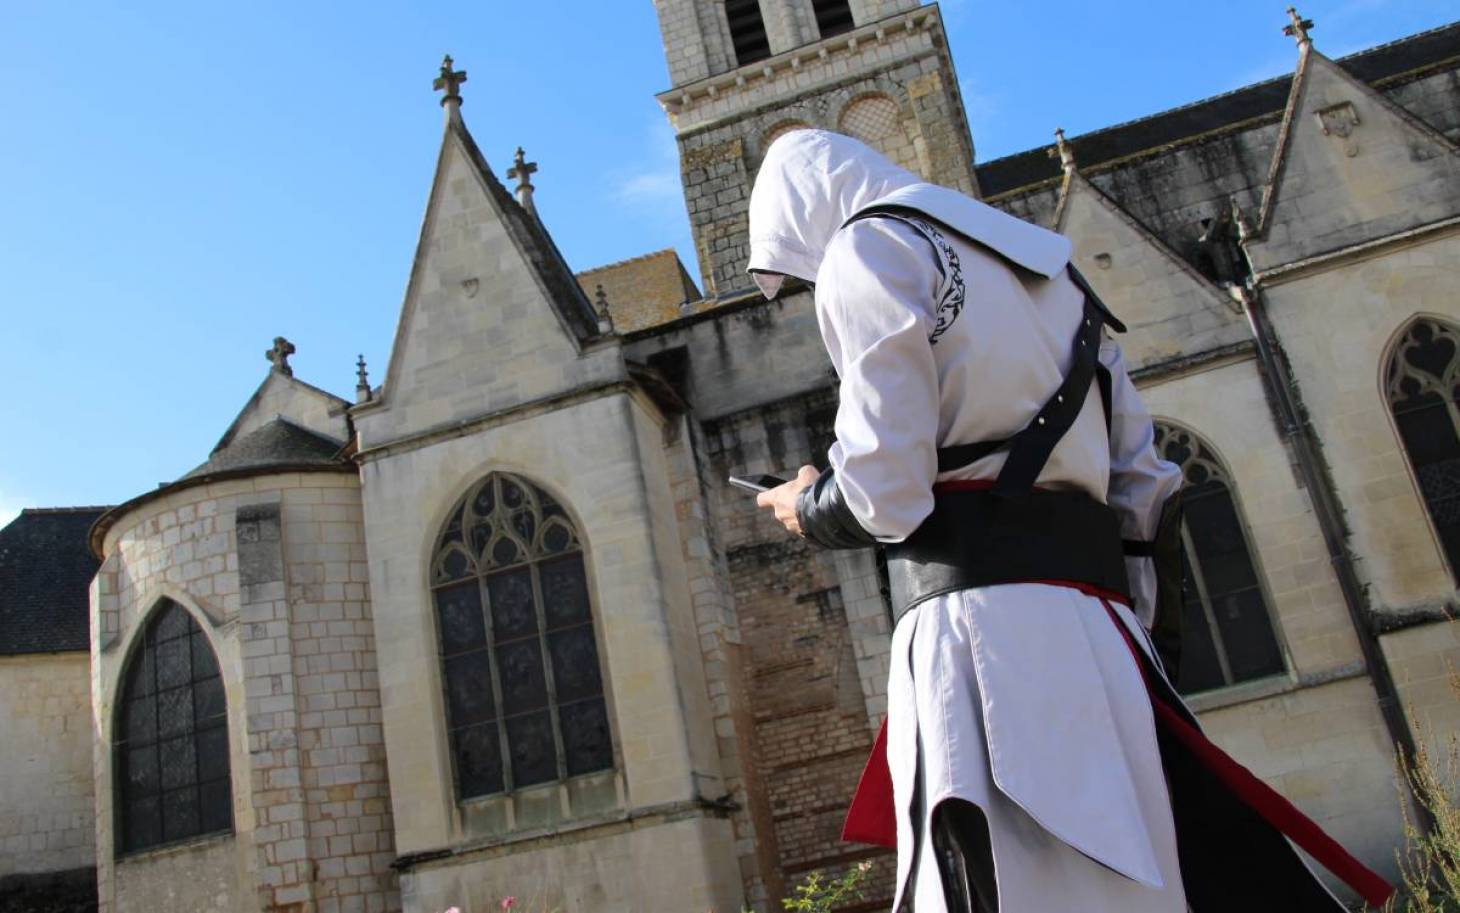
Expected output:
(813, 181)
(810, 183)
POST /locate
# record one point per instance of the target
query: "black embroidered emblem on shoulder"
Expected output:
(951, 292)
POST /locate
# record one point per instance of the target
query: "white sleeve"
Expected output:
(874, 298)
(1140, 481)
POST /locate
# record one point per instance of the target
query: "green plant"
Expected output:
(816, 895)
(1429, 864)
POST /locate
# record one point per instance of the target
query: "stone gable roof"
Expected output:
(1232, 110)
(45, 573)
(536, 244)
(643, 291)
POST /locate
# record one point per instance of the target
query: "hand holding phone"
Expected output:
(757, 484)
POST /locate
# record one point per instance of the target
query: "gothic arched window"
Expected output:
(1423, 388)
(1227, 633)
(171, 744)
(524, 692)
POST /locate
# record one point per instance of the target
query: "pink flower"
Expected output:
(452, 910)
(509, 902)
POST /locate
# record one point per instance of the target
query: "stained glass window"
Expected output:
(1227, 634)
(1423, 387)
(524, 690)
(171, 746)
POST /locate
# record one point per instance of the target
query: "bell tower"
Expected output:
(746, 71)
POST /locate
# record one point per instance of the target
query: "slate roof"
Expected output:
(45, 572)
(278, 443)
(1264, 99)
(644, 291)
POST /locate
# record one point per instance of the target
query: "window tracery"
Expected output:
(1423, 386)
(1227, 630)
(524, 690)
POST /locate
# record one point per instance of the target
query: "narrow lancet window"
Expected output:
(524, 691)
(1227, 630)
(171, 744)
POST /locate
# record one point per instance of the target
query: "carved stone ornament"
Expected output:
(1339, 120)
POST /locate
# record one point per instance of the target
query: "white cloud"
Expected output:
(655, 181)
(650, 185)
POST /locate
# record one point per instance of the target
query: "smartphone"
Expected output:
(758, 483)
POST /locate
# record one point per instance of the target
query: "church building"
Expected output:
(498, 627)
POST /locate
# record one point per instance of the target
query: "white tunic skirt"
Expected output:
(1027, 703)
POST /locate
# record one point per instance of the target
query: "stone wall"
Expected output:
(273, 569)
(46, 806)
(601, 456)
(892, 84)
(816, 681)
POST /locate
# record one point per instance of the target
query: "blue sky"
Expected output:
(179, 183)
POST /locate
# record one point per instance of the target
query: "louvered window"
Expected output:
(524, 691)
(747, 31)
(833, 16)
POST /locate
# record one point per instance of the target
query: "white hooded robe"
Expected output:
(1022, 699)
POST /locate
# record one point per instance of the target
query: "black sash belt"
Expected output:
(981, 538)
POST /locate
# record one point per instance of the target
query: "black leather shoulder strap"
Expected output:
(1030, 449)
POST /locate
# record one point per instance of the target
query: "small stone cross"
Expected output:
(1298, 27)
(450, 80)
(522, 171)
(1063, 150)
(278, 356)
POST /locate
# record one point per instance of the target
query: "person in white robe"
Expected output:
(1020, 738)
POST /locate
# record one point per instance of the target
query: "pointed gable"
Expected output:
(1171, 310)
(283, 396)
(1351, 167)
(492, 316)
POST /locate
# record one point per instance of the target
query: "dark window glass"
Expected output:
(171, 747)
(524, 691)
(1424, 380)
(1227, 633)
(585, 736)
(833, 16)
(747, 31)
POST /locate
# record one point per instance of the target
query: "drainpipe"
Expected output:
(1326, 507)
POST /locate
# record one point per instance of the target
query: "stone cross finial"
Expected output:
(522, 171)
(449, 80)
(1297, 27)
(600, 305)
(1064, 150)
(362, 381)
(278, 356)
